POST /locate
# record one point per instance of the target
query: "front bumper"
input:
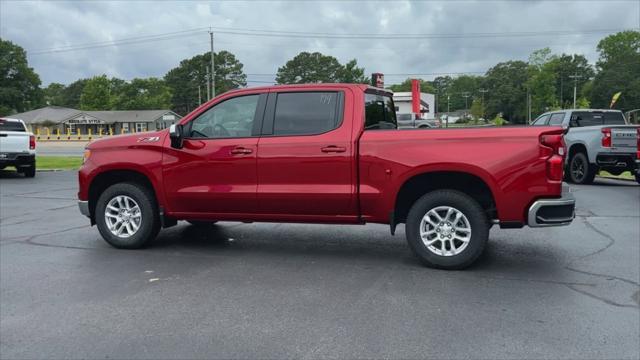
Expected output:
(84, 208)
(553, 212)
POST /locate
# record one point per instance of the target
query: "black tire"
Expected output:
(30, 171)
(475, 216)
(580, 170)
(150, 223)
(638, 178)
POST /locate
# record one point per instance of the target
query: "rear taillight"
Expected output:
(32, 142)
(606, 137)
(555, 148)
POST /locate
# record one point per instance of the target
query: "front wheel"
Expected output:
(447, 229)
(127, 215)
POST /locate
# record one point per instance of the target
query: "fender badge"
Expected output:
(149, 139)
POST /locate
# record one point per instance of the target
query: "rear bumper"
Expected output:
(553, 212)
(625, 161)
(17, 159)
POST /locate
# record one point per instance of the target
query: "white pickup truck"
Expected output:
(17, 147)
(596, 140)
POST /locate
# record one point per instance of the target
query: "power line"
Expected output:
(300, 34)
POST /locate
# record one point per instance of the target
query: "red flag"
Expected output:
(415, 96)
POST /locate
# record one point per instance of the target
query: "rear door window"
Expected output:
(306, 113)
(556, 119)
(6, 125)
(379, 112)
(542, 120)
(613, 118)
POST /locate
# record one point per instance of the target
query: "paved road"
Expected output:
(61, 148)
(307, 291)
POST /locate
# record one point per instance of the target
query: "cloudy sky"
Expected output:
(127, 39)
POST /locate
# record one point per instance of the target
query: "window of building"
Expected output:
(231, 118)
(141, 127)
(125, 127)
(306, 113)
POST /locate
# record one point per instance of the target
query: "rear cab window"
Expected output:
(6, 125)
(379, 112)
(596, 118)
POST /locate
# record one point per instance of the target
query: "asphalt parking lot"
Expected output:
(311, 291)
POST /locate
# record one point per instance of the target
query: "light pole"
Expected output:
(575, 87)
(448, 111)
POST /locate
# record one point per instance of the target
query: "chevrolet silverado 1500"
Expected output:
(17, 147)
(326, 153)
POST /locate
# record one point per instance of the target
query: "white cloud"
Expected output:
(45, 25)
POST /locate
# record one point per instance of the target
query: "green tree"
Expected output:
(462, 90)
(542, 81)
(191, 75)
(441, 86)
(565, 66)
(477, 110)
(350, 73)
(310, 68)
(19, 84)
(53, 94)
(618, 70)
(143, 94)
(72, 93)
(96, 94)
(506, 85)
(405, 86)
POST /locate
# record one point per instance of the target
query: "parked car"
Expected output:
(17, 147)
(326, 153)
(597, 140)
(414, 121)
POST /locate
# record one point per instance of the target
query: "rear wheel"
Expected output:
(127, 216)
(30, 171)
(580, 170)
(447, 229)
(638, 177)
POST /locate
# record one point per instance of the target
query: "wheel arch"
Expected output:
(104, 179)
(469, 182)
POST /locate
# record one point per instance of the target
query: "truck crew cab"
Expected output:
(326, 153)
(17, 147)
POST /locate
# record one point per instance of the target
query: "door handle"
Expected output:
(241, 150)
(333, 149)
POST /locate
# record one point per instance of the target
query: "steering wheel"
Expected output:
(219, 130)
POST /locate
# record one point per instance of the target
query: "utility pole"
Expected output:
(575, 87)
(448, 98)
(466, 95)
(528, 106)
(208, 84)
(561, 91)
(213, 69)
(199, 96)
(483, 91)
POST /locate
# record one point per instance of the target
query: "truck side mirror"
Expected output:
(176, 135)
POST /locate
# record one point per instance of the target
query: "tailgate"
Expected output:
(624, 137)
(14, 141)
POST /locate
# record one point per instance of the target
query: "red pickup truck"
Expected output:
(326, 153)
